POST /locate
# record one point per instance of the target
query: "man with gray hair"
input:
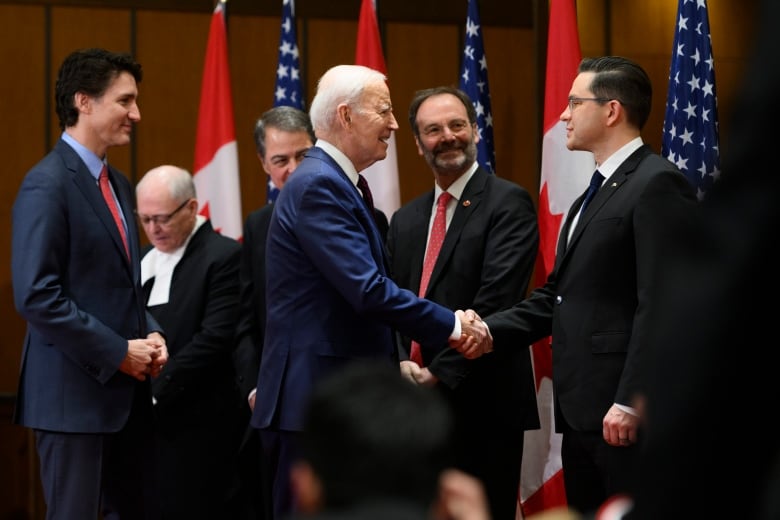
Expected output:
(330, 301)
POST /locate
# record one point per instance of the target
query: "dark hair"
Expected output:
(90, 71)
(370, 434)
(422, 95)
(621, 79)
(284, 118)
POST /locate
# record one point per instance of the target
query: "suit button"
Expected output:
(558, 300)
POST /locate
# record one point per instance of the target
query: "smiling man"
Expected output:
(89, 349)
(330, 302)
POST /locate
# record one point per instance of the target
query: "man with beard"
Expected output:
(490, 240)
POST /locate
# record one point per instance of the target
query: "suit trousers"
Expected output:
(75, 467)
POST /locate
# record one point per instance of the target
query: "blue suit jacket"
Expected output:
(329, 299)
(80, 295)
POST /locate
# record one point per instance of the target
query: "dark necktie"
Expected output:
(362, 185)
(595, 184)
(435, 240)
(105, 189)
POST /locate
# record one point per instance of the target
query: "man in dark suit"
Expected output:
(88, 352)
(191, 287)
(609, 260)
(485, 263)
(282, 136)
(330, 301)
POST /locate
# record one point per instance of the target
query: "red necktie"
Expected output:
(105, 189)
(435, 240)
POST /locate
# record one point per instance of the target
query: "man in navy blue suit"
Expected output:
(89, 350)
(330, 302)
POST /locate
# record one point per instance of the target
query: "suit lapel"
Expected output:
(609, 188)
(91, 192)
(372, 231)
(470, 199)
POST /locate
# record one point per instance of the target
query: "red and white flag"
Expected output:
(565, 175)
(216, 152)
(382, 176)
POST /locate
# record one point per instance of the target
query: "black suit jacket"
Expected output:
(199, 320)
(251, 326)
(485, 264)
(595, 300)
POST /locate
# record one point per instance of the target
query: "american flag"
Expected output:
(474, 82)
(287, 90)
(690, 138)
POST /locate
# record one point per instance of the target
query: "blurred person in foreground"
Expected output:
(719, 300)
(375, 445)
(189, 275)
(90, 347)
(485, 262)
(330, 302)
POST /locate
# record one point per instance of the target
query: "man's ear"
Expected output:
(306, 488)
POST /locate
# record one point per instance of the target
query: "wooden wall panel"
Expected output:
(75, 28)
(23, 98)
(516, 113)
(414, 64)
(327, 43)
(254, 44)
(171, 48)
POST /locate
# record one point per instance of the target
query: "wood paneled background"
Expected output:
(423, 41)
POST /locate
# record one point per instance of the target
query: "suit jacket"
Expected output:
(199, 319)
(330, 301)
(198, 410)
(595, 300)
(485, 264)
(251, 328)
(80, 295)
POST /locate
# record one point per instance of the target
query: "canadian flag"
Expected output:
(565, 175)
(382, 176)
(216, 153)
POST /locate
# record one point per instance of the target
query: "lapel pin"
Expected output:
(614, 184)
(466, 203)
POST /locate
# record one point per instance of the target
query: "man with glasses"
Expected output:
(490, 241)
(611, 256)
(191, 286)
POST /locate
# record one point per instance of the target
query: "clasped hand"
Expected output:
(475, 339)
(145, 357)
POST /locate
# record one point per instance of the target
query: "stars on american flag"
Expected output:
(690, 138)
(474, 82)
(288, 90)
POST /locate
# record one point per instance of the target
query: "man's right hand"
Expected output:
(141, 354)
(475, 339)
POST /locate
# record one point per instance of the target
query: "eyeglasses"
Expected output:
(160, 220)
(577, 101)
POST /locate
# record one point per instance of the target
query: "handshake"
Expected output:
(475, 339)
